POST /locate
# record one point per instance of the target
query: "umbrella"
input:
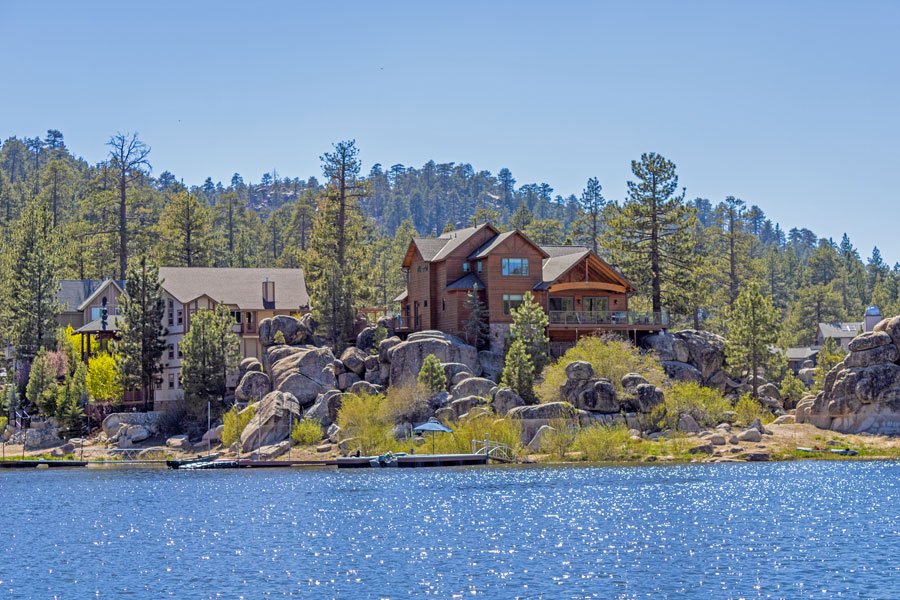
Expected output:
(433, 425)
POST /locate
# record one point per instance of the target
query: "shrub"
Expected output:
(279, 337)
(2, 424)
(432, 375)
(518, 372)
(380, 334)
(406, 404)
(229, 434)
(362, 417)
(612, 357)
(749, 409)
(792, 388)
(560, 439)
(604, 442)
(504, 431)
(706, 405)
(307, 432)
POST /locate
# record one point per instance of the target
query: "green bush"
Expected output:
(706, 405)
(504, 431)
(792, 388)
(279, 338)
(611, 357)
(380, 334)
(749, 409)
(561, 438)
(432, 375)
(307, 432)
(229, 434)
(406, 404)
(2, 424)
(362, 417)
(604, 442)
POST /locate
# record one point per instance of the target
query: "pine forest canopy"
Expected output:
(690, 256)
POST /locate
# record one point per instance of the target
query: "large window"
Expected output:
(561, 304)
(596, 304)
(515, 266)
(511, 301)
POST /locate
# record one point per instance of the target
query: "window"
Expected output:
(425, 304)
(95, 313)
(171, 351)
(158, 383)
(171, 380)
(511, 301)
(180, 317)
(443, 304)
(465, 267)
(515, 266)
(180, 353)
(236, 315)
(479, 266)
(596, 304)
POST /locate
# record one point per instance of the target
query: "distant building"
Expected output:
(796, 357)
(873, 316)
(841, 332)
(82, 300)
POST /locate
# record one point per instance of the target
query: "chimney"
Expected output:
(268, 290)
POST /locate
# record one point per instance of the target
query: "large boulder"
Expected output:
(531, 418)
(346, 380)
(463, 405)
(869, 340)
(872, 356)
(631, 380)
(354, 360)
(365, 341)
(644, 399)
(251, 363)
(272, 421)
(593, 395)
(680, 371)
(272, 451)
(891, 327)
(579, 370)
(667, 347)
(385, 347)
(253, 386)
(325, 408)
(474, 386)
(293, 330)
(364, 388)
(706, 349)
(451, 370)
(406, 358)
(305, 373)
(179, 442)
(505, 400)
(491, 364)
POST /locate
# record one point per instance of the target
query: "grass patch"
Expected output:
(707, 406)
(307, 432)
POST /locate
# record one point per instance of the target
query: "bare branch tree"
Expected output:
(128, 157)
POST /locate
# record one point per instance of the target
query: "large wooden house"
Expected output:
(581, 293)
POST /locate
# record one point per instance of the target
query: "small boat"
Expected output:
(839, 451)
(180, 463)
(386, 460)
(210, 464)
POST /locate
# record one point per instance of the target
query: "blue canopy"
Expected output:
(433, 424)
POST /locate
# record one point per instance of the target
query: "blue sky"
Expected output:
(794, 106)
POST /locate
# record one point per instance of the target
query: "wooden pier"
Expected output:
(409, 461)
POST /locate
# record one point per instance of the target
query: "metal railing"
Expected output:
(407, 322)
(616, 317)
(493, 450)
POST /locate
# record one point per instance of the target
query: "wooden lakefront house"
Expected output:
(581, 293)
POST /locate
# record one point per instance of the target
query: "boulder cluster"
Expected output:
(692, 355)
(862, 392)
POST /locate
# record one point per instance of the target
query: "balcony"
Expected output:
(617, 318)
(407, 323)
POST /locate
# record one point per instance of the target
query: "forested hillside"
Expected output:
(706, 251)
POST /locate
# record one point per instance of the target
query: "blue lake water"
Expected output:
(789, 530)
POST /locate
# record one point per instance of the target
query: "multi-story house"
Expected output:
(581, 293)
(250, 294)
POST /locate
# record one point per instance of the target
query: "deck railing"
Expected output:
(408, 322)
(615, 317)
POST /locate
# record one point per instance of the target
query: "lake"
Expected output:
(777, 530)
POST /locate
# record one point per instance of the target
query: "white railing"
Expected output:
(493, 450)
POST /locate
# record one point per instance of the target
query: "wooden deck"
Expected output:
(416, 460)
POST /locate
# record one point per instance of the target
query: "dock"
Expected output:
(409, 461)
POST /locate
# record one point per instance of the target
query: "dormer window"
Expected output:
(268, 291)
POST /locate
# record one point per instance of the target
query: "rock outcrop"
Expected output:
(406, 357)
(304, 372)
(272, 421)
(690, 355)
(861, 393)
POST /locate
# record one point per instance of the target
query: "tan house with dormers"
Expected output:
(82, 300)
(581, 293)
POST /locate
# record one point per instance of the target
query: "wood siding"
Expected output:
(499, 284)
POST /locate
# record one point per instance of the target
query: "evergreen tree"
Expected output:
(142, 340)
(185, 232)
(650, 232)
(31, 282)
(592, 204)
(41, 388)
(752, 330)
(530, 326)
(432, 375)
(518, 371)
(829, 356)
(68, 403)
(211, 351)
(476, 330)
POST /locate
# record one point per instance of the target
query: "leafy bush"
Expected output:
(307, 432)
(3, 421)
(792, 388)
(561, 438)
(706, 405)
(229, 434)
(612, 357)
(432, 375)
(604, 442)
(362, 417)
(406, 404)
(279, 337)
(749, 409)
(504, 431)
(380, 334)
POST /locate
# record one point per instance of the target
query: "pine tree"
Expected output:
(211, 351)
(753, 328)
(127, 158)
(142, 340)
(592, 204)
(518, 371)
(31, 282)
(530, 326)
(432, 375)
(476, 330)
(185, 232)
(41, 388)
(650, 232)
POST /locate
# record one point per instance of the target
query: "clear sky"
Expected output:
(794, 106)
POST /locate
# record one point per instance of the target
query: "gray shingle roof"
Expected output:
(72, 292)
(491, 244)
(235, 286)
(112, 324)
(455, 239)
(802, 353)
(466, 282)
(555, 266)
(840, 330)
(429, 247)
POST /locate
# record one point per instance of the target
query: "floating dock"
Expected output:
(33, 464)
(413, 460)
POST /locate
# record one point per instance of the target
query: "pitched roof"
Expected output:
(466, 282)
(73, 292)
(491, 244)
(802, 353)
(236, 286)
(401, 296)
(457, 238)
(95, 326)
(555, 251)
(555, 266)
(840, 330)
(99, 290)
(429, 247)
